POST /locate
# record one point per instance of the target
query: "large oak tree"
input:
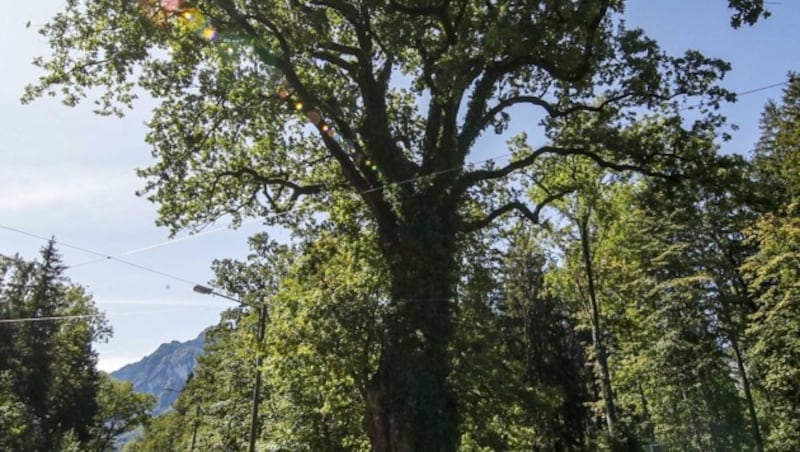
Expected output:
(410, 89)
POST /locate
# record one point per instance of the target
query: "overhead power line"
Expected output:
(134, 265)
(89, 316)
(172, 241)
(740, 94)
(104, 255)
(44, 319)
(140, 267)
(763, 88)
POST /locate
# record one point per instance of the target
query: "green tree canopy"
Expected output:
(285, 110)
(120, 410)
(772, 271)
(51, 394)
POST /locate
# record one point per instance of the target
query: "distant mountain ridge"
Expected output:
(163, 372)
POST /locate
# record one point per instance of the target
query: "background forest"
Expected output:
(641, 316)
(52, 397)
(621, 285)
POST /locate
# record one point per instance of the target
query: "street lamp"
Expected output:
(262, 319)
(209, 291)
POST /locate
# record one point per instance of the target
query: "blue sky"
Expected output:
(68, 173)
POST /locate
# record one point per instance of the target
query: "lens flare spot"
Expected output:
(209, 34)
(183, 16)
(190, 14)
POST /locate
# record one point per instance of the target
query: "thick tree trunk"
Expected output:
(409, 405)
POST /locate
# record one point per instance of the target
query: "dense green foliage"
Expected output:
(695, 287)
(773, 271)
(624, 308)
(52, 396)
(120, 410)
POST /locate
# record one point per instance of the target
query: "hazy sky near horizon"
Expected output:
(70, 174)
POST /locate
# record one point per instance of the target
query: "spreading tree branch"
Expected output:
(476, 117)
(273, 179)
(471, 178)
(519, 206)
(336, 60)
(439, 12)
(380, 208)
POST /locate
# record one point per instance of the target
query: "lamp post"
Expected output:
(262, 320)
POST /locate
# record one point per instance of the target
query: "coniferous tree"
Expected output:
(772, 272)
(776, 158)
(49, 383)
(552, 347)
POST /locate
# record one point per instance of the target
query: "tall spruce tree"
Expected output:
(675, 323)
(48, 367)
(550, 345)
(772, 272)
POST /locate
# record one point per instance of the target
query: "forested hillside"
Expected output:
(612, 281)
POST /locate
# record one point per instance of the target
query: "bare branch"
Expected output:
(385, 72)
(471, 178)
(275, 179)
(350, 68)
(341, 48)
(519, 206)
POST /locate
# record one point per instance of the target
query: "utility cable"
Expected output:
(370, 190)
(89, 316)
(169, 242)
(44, 319)
(103, 255)
(763, 88)
(740, 94)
